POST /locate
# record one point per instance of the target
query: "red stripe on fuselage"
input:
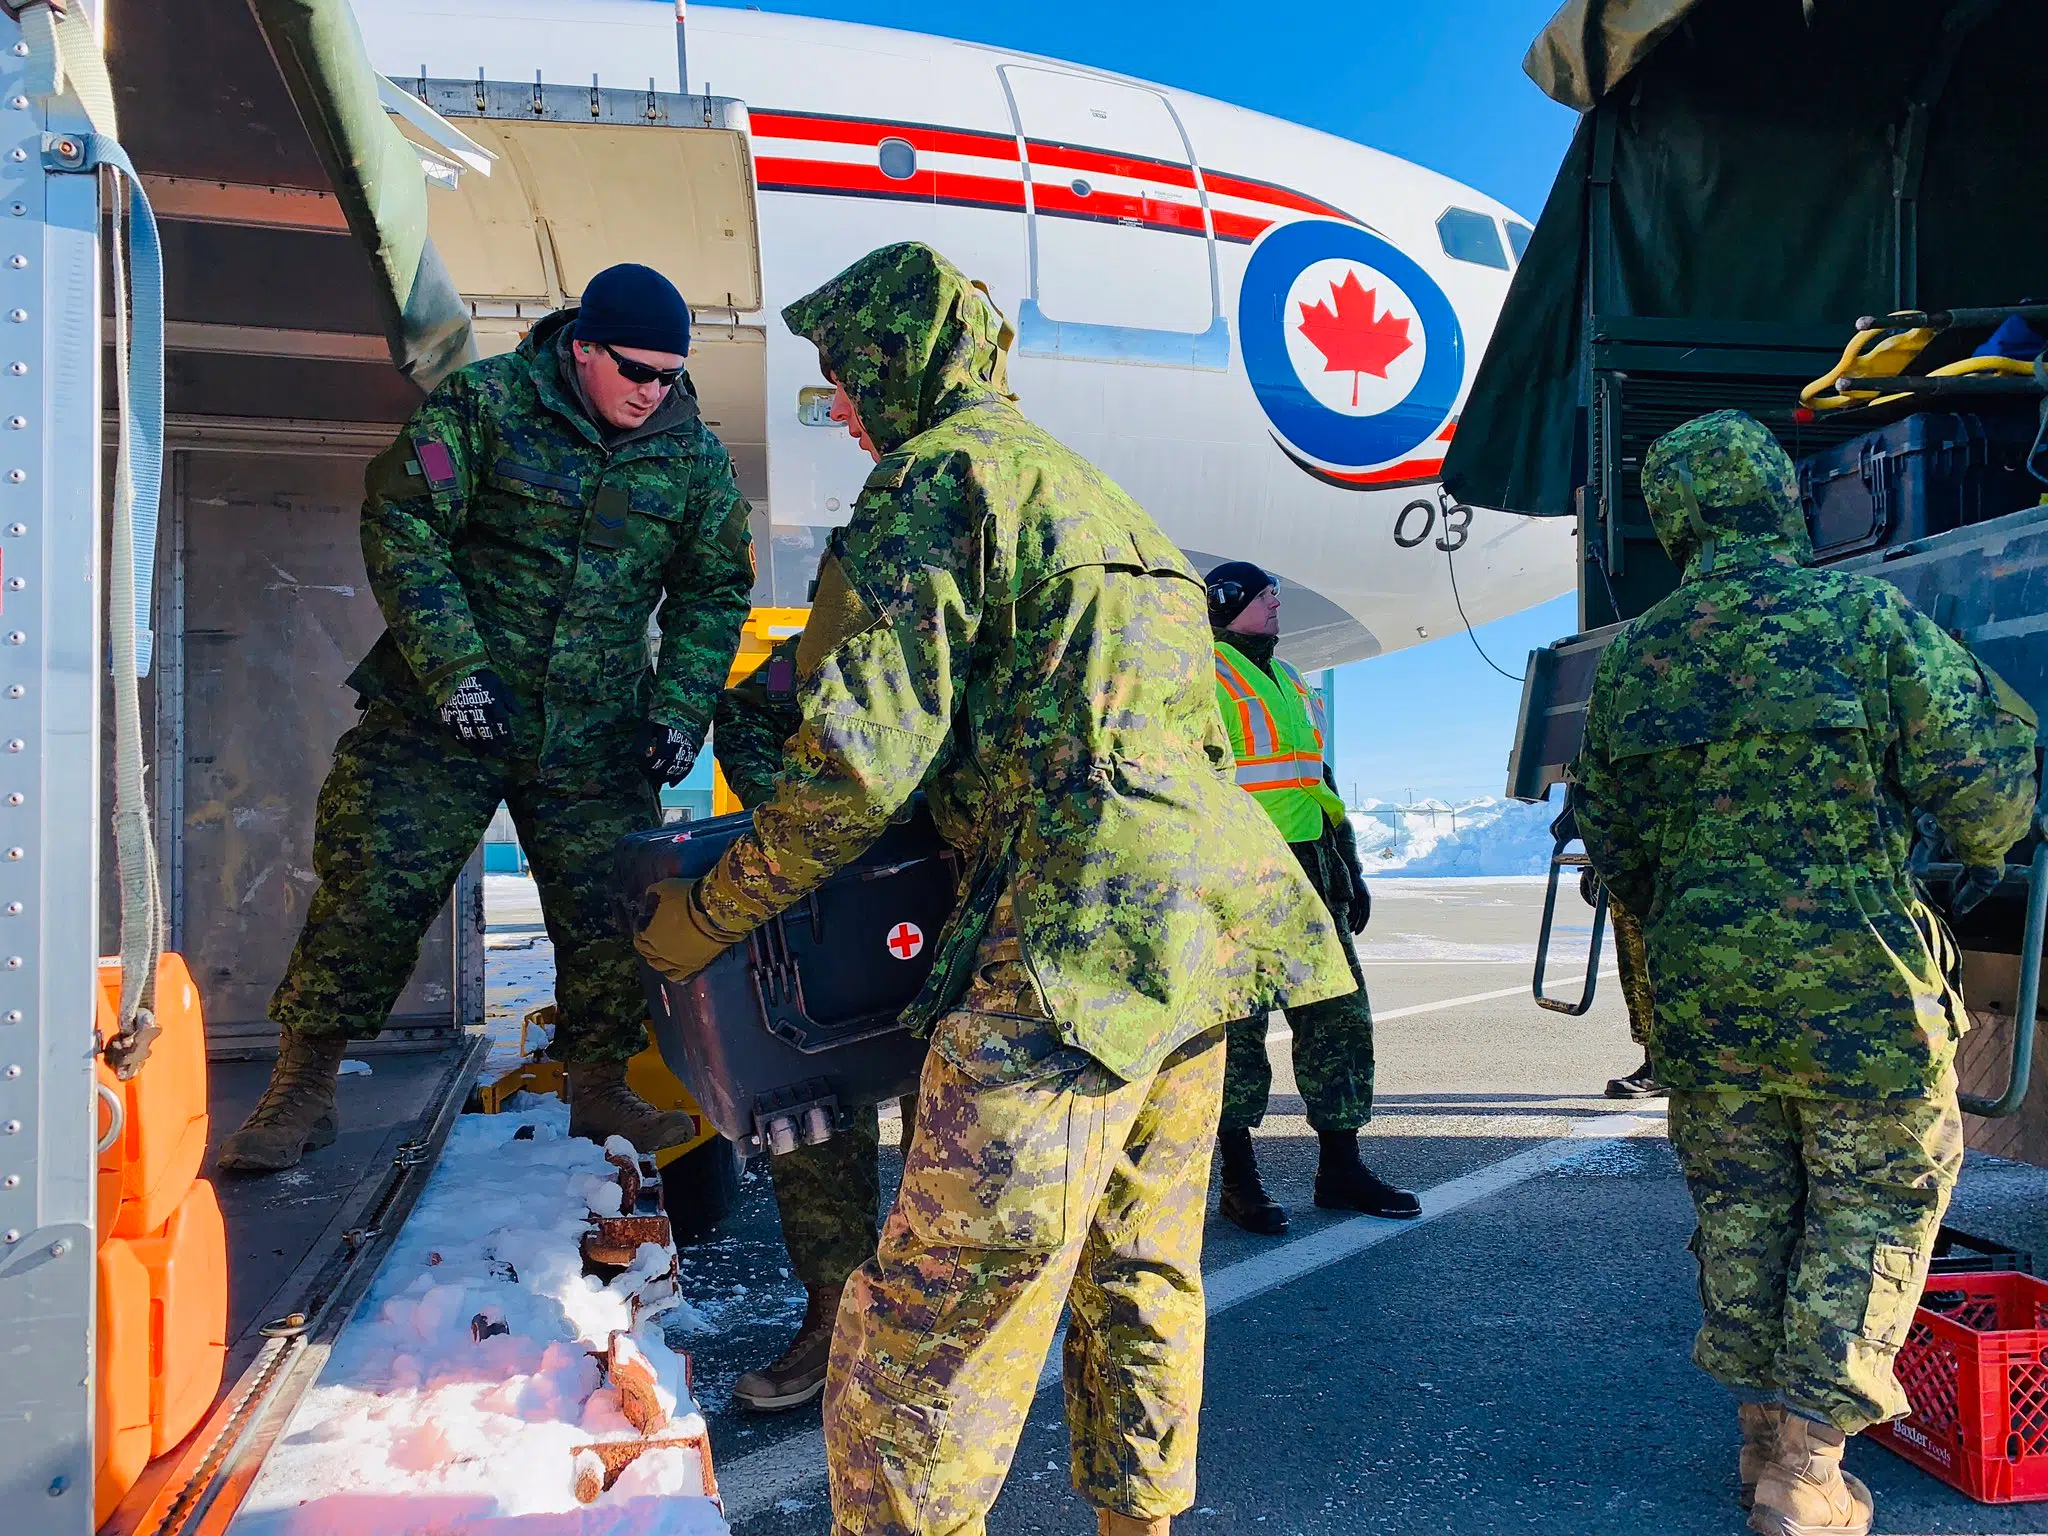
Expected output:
(846, 130)
(1054, 198)
(777, 174)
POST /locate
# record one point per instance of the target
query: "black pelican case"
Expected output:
(783, 1036)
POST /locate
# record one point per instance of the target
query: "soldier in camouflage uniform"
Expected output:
(518, 534)
(1275, 727)
(1632, 967)
(1757, 746)
(827, 1194)
(1001, 624)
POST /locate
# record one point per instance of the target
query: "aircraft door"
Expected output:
(1122, 249)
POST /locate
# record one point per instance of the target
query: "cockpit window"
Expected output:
(1473, 237)
(1518, 238)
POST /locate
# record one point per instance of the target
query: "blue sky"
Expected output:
(1438, 82)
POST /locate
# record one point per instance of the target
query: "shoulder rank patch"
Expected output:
(436, 463)
(889, 475)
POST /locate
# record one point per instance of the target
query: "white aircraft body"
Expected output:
(1263, 332)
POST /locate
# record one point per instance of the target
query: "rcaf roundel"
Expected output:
(1353, 351)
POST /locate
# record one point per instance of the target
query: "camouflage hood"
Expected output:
(910, 338)
(1723, 480)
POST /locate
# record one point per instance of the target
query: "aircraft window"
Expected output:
(814, 407)
(1518, 238)
(1473, 237)
(899, 159)
(1082, 189)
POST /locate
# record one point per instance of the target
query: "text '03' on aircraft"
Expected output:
(1263, 332)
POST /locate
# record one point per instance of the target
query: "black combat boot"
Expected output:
(799, 1375)
(1245, 1200)
(1343, 1183)
(1639, 1084)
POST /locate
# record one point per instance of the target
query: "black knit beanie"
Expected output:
(1232, 586)
(634, 306)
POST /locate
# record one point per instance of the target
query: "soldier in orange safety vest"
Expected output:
(1276, 725)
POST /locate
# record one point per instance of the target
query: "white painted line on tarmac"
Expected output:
(1458, 1002)
(1236, 1284)
(1282, 1032)
(755, 1483)
(1369, 964)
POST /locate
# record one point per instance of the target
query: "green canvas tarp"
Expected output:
(376, 177)
(1759, 161)
(1590, 43)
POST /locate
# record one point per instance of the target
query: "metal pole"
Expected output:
(51, 669)
(1330, 718)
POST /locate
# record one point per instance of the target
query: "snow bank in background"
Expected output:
(459, 1393)
(1479, 837)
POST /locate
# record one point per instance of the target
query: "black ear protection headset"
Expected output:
(1227, 595)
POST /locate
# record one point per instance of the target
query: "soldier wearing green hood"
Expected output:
(1003, 626)
(518, 534)
(1757, 748)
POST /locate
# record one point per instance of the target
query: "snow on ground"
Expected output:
(511, 903)
(458, 1395)
(1484, 837)
(519, 965)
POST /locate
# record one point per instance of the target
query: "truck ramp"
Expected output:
(303, 1246)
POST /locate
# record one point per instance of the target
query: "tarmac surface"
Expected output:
(1516, 1360)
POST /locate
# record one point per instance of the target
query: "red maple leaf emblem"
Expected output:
(1351, 337)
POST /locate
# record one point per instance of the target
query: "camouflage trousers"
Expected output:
(827, 1196)
(1817, 1219)
(401, 811)
(1037, 1179)
(1333, 1064)
(1632, 962)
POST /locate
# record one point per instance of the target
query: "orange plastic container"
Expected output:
(187, 1265)
(163, 1137)
(121, 1376)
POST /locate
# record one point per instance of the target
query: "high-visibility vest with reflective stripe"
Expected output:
(1276, 729)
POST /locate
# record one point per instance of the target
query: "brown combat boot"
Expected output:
(1109, 1523)
(602, 1106)
(1760, 1423)
(799, 1375)
(296, 1113)
(1804, 1491)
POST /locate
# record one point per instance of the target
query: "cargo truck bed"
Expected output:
(302, 1246)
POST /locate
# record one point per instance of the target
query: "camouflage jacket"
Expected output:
(754, 717)
(1757, 746)
(758, 715)
(1000, 623)
(500, 531)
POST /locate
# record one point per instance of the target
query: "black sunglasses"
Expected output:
(635, 372)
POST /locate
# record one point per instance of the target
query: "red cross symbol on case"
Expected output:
(905, 940)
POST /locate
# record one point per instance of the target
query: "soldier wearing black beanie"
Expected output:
(1333, 1048)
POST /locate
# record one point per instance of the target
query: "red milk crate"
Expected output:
(1975, 1367)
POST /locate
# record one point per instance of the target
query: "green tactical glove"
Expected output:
(675, 936)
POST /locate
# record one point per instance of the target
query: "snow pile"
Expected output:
(458, 1396)
(1479, 837)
